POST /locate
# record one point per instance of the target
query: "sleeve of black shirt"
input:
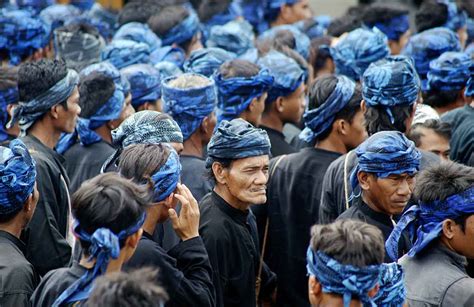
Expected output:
(328, 212)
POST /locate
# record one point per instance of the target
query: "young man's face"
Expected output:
(67, 119)
(298, 11)
(293, 105)
(357, 133)
(463, 240)
(435, 143)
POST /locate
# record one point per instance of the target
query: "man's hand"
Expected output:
(186, 224)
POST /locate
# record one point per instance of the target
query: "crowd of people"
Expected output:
(236, 153)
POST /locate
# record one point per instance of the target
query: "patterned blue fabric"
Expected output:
(456, 17)
(103, 27)
(105, 16)
(166, 179)
(470, 31)
(450, 71)
(355, 52)
(469, 91)
(302, 42)
(343, 279)
(287, 73)
(109, 70)
(253, 12)
(391, 82)
(27, 112)
(175, 55)
(312, 28)
(7, 96)
(237, 139)
(21, 35)
(83, 4)
(392, 292)
(168, 69)
(393, 28)
(35, 5)
(140, 33)
(429, 45)
(56, 15)
(123, 53)
(321, 119)
(206, 61)
(424, 222)
(104, 246)
(236, 94)
(235, 36)
(386, 153)
(233, 11)
(18, 177)
(189, 106)
(183, 31)
(145, 83)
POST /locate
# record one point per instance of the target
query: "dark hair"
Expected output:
(377, 118)
(320, 90)
(208, 8)
(439, 127)
(380, 12)
(139, 162)
(109, 201)
(468, 7)
(351, 20)
(238, 68)
(138, 11)
(8, 77)
(437, 99)
(350, 242)
(431, 14)
(121, 289)
(319, 56)
(94, 91)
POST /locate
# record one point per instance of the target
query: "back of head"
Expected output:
(390, 18)
(8, 90)
(94, 91)
(138, 11)
(343, 24)
(209, 8)
(238, 68)
(206, 61)
(167, 18)
(439, 127)
(431, 14)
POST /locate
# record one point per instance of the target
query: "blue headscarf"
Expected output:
(287, 73)
(168, 69)
(175, 55)
(35, 5)
(233, 11)
(311, 27)
(302, 42)
(166, 179)
(344, 279)
(83, 4)
(56, 15)
(105, 16)
(450, 71)
(386, 153)
(393, 28)
(237, 139)
(392, 292)
(109, 70)
(122, 53)
(140, 33)
(235, 36)
(236, 93)
(206, 61)
(27, 112)
(145, 83)
(22, 34)
(183, 31)
(321, 118)
(456, 17)
(355, 52)
(424, 221)
(18, 177)
(470, 31)
(469, 91)
(189, 106)
(429, 45)
(253, 12)
(391, 82)
(103, 27)
(7, 96)
(104, 246)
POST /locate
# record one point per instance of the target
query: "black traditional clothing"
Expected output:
(193, 175)
(279, 144)
(48, 238)
(184, 271)
(18, 277)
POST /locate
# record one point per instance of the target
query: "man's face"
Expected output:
(298, 11)
(293, 105)
(247, 179)
(256, 114)
(357, 133)
(388, 195)
(432, 141)
(127, 111)
(463, 240)
(66, 121)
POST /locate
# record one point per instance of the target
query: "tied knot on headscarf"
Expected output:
(104, 244)
(122, 53)
(424, 222)
(392, 290)
(206, 61)
(140, 33)
(346, 280)
(167, 177)
(183, 31)
(236, 93)
(145, 83)
(450, 71)
(391, 82)
(235, 36)
(237, 139)
(321, 118)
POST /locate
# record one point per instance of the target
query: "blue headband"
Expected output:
(105, 16)
(7, 96)
(18, 177)
(57, 14)
(355, 52)
(26, 113)
(253, 12)
(456, 17)
(469, 92)
(391, 82)
(175, 55)
(122, 53)
(393, 28)
(140, 33)
(429, 45)
(386, 153)
(321, 118)
(311, 27)
(237, 139)
(287, 73)
(450, 71)
(166, 178)
(233, 11)
(105, 245)
(425, 221)
(183, 31)
(103, 27)
(236, 94)
(189, 106)
(343, 279)
(109, 70)
(83, 4)
(35, 5)
(145, 83)
(302, 42)
(392, 290)
(235, 36)
(206, 61)
(168, 69)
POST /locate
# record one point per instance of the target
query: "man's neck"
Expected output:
(115, 265)
(193, 146)
(45, 132)
(450, 107)
(272, 121)
(332, 143)
(13, 227)
(104, 132)
(371, 204)
(329, 299)
(224, 192)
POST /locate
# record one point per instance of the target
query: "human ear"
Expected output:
(448, 228)
(363, 106)
(220, 173)
(280, 104)
(363, 179)
(132, 241)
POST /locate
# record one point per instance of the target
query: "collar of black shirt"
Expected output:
(378, 216)
(14, 240)
(236, 214)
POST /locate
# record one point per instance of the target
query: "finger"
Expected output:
(174, 218)
(184, 202)
(190, 197)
